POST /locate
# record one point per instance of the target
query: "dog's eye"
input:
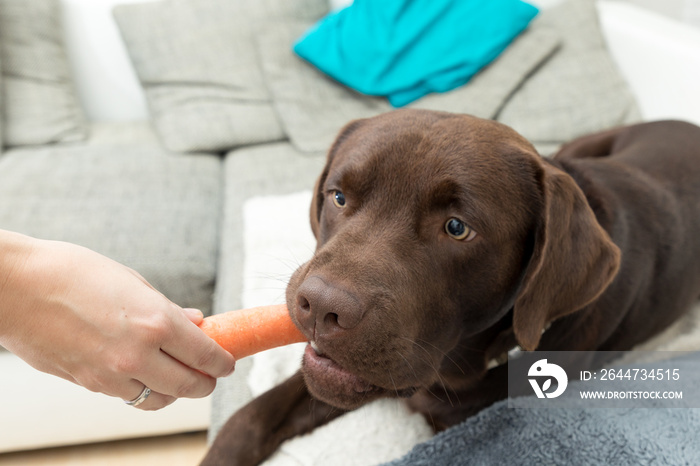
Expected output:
(458, 230)
(338, 198)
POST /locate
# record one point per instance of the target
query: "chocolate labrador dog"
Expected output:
(445, 240)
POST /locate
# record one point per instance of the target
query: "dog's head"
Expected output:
(431, 227)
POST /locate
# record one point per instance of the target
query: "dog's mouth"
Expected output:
(327, 370)
(330, 382)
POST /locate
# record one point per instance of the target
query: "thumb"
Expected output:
(195, 315)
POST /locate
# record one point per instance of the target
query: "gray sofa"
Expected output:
(235, 115)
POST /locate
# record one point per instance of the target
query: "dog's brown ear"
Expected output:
(573, 261)
(318, 194)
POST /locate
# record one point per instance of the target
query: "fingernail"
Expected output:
(233, 368)
(194, 315)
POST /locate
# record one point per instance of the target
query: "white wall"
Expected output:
(106, 83)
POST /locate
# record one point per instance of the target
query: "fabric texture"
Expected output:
(154, 211)
(198, 65)
(120, 133)
(555, 82)
(405, 49)
(314, 107)
(504, 434)
(39, 101)
(579, 91)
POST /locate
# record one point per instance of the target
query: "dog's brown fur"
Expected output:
(602, 242)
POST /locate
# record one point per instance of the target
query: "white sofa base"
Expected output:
(41, 410)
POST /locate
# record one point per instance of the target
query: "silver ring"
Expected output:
(141, 398)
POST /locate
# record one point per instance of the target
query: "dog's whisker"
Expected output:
(444, 386)
(293, 258)
(445, 354)
(272, 276)
(415, 342)
(429, 362)
(396, 389)
(410, 366)
(269, 287)
(434, 395)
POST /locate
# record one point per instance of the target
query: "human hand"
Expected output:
(71, 312)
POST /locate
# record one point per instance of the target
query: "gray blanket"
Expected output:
(573, 436)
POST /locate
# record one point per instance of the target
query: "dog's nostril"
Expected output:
(331, 319)
(304, 304)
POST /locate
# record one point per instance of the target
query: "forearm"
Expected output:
(15, 252)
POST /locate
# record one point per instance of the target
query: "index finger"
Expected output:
(192, 347)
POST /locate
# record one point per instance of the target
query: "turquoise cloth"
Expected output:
(405, 49)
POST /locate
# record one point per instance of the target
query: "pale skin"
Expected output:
(73, 313)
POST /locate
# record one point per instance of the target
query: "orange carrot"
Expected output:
(248, 331)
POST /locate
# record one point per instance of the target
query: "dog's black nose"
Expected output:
(326, 308)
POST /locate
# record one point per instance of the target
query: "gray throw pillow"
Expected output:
(578, 91)
(314, 107)
(555, 82)
(198, 65)
(39, 101)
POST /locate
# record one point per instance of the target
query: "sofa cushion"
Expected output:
(199, 68)
(120, 133)
(579, 91)
(40, 104)
(555, 82)
(154, 211)
(313, 107)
